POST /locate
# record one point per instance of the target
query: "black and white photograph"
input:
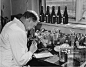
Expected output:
(42, 33)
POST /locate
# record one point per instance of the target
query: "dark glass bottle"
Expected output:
(65, 16)
(59, 16)
(53, 15)
(47, 15)
(67, 40)
(63, 56)
(41, 15)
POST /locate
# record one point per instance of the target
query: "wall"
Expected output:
(0, 15)
(35, 5)
(0, 7)
(5, 7)
(29, 5)
(6, 10)
(20, 6)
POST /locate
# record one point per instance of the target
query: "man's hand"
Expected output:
(33, 46)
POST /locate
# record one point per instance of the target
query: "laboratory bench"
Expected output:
(75, 58)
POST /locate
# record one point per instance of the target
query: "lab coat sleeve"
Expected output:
(19, 48)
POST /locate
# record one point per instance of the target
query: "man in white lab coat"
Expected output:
(13, 41)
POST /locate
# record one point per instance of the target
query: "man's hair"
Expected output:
(31, 15)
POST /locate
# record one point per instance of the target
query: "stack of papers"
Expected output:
(53, 59)
(43, 55)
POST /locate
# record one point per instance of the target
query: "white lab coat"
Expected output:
(13, 45)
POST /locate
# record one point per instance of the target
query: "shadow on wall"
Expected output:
(5, 20)
(18, 16)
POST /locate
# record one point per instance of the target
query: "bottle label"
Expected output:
(46, 15)
(63, 20)
(57, 20)
(54, 19)
(40, 15)
(41, 18)
(53, 15)
(46, 18)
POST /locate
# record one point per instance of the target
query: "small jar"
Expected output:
(63, 56)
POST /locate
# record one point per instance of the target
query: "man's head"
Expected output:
(29, 19)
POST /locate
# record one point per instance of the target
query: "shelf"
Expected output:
(70, 25)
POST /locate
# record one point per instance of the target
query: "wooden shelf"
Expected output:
(71, 27)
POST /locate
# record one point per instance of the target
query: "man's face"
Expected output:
(29, 24)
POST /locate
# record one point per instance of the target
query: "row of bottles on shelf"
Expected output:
(53, 17)
(57, 38)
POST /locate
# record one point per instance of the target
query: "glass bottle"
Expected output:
(65, 16)
(53, 15)
(59, 16)
(41, 15)
(47, 15)
(63, 56)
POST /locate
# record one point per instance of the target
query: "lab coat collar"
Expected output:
(19, 23)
